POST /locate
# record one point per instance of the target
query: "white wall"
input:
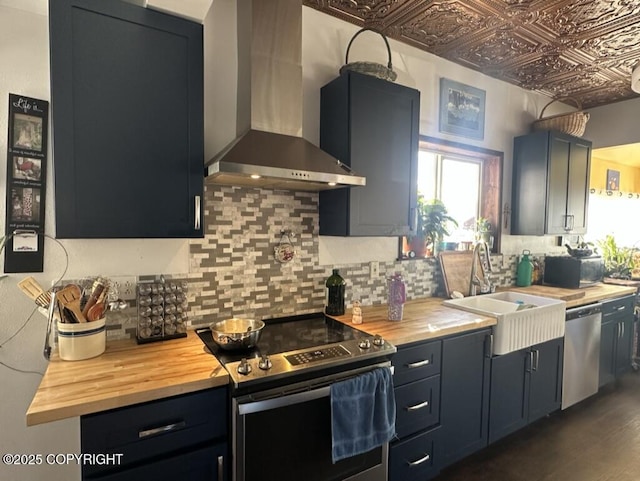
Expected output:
(24, 56)
(614, 124)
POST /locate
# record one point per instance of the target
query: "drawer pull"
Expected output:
(196, 224)
(161, 430)
(412, 365)
(419, 461)
(417, 406)
(220, 468)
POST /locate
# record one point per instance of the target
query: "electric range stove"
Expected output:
(292, 347)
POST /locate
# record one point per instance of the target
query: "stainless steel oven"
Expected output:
(285, 435)
(281, 404)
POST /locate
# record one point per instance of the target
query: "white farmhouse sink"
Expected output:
(523, 320)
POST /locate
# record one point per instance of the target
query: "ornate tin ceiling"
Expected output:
(580, 48)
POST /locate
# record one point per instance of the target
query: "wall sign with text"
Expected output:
(26, 181)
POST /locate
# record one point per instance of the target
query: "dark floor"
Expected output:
(595, 440)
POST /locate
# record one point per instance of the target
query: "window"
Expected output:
(455, 180)
(467, 180)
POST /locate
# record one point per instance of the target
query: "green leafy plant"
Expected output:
(618, 261)
(433, 220)
(483, 225)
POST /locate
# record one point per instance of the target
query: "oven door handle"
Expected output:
(286, 400)
(304, 394)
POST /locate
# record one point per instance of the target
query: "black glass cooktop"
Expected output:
(285, 335)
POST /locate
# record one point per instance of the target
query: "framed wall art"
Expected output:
(462, 109)
(613, 179)
(26, 179)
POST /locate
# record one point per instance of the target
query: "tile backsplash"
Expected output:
(233, 271)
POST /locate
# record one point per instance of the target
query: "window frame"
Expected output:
(490, 184)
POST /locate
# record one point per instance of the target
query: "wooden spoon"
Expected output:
(31, 288)
(69, 298)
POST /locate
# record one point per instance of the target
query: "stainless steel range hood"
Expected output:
(272, 153)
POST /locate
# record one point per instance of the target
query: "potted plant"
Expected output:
(433, 222)
(483, 230)
(618, 261)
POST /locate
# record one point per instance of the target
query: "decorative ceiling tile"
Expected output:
(583, 48)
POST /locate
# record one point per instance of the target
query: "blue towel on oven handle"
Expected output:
(363, 413)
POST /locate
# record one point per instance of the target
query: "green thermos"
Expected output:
(525, 270)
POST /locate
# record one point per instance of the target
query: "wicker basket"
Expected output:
(370, 68)
(572, 123)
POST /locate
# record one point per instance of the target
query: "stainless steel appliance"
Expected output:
(270, 152)
(280, 399)
(572, 272)
(581, 364)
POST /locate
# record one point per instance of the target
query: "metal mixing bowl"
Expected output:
(235, 334)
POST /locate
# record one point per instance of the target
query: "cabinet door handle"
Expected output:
(488, 342)
(220, 468)
(413, 365)
(196, 224)
(419, 461)
(569, 222)
(167, 428)
(618, 333)
(530, 366)
(622, 329)
(536, 359)
(417, 406)
(413, 219)
(620, 308)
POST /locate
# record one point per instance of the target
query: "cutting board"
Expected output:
(552, 292)
(456, 270)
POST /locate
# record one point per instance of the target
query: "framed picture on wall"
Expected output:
(27, 132)
(613, 179)
(462, 109)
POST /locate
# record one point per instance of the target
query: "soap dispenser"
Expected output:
(525, 270)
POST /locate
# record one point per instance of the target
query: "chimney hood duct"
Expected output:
(272, 153)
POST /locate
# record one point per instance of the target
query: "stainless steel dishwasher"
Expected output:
(581, 363)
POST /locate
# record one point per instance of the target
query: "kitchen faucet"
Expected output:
(482, 255)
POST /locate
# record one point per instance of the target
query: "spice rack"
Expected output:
(162, 310)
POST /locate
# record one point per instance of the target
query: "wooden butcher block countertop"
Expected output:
(577, 297)
(126, 374)
(422, 319)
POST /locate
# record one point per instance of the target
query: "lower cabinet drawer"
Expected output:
(415, 458)
(417, 406)
(156, 428)
(204, 464)
(416, 362)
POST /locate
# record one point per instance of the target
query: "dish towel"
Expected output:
(363, 413)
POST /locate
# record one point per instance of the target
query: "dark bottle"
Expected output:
(335, 294)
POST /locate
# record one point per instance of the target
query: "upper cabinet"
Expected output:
(127, 112)
(550, 190)
(371, 125)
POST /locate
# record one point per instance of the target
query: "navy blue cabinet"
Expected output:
(128, 122)
(464, 404)
(415, 456)
(550, 184)
(371, 125)
(181, 437)
(616, 341)
(525, 386)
